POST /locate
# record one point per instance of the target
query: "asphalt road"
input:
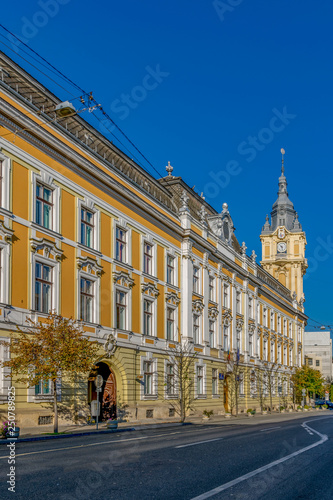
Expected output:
(284, 460)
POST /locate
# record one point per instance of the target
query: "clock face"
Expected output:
(282, 247)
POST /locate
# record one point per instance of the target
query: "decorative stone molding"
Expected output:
(239, 323)
(213, 312)
(110, 345)
(172, 298)
(251, 327)
(197, 306)
(6, 234)
(91, 265)
(150, 289)
(48, 247)
(227, 318)
(123, 279)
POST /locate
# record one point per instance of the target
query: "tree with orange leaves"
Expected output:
(48, 348)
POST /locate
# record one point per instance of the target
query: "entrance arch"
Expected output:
(108, 395)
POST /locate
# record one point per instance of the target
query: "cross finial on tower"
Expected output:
(169, 169)
(282, 166)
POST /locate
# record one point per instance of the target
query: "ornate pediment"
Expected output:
(172, 298)
(251, 327)
(213, 312)
(239, 323)
(89, 265)
(226, 317)
(150, 289)
(49, 248)
(221, 225)
(123, 279)
(197, 306)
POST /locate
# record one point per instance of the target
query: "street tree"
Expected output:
(268, 376)
(179, 377)
(48, 349)
(309, 379)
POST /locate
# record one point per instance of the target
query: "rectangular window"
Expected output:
(226, 295)
(272, 320)
(87, 227)
(238, 340)
(310, 362)
(43, 388)
(279, 324)
(121, 244)
(196, 280)
(211, 333)
(251, 345)
(212, 288)
(265, 316)
(196, 329)
(225, 337)
(290, 330)
(200, 390)
(170, 323)
(290, 357)
(170, 270)
(43, 288)
(238, 301)
(148, 259)
(279, 353)
(148, 377)
(272, 359)
(44, 206)
(87, 299)
(285, 355)
(147, 317)
(170, 381)
(317, 362)
(265, 350)
(121, 308)
(214, 382)
(285, 327)
(251, 307)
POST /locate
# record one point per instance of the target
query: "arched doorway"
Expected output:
(108, 395)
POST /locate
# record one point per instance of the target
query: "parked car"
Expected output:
(320, 402)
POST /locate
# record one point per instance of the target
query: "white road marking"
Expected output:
(198, 442)
(269, 428)
(240, 479)
(91, 444)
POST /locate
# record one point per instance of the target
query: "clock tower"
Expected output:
(283, 242)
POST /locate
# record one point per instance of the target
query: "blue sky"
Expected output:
(194, 83)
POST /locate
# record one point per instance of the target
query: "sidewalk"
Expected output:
(37, 434)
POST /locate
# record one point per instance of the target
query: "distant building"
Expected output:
(318, 352)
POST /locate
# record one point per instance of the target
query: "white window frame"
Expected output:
(96, 300)
(238, 301)
(250, 307)
(88, 204)
(152, 301)
(215, 382)
(196, 282)
(5, 183)
(226, 337)
(202, 366)
(197, 341)
(55, 295)
(264, 316)
(127, 315)
(175, 321)
(272, 352)
(226, 295)
(5, 252)
(127, 231)
(175, 269)
(251, 351)
(212, 333)
(174, 394)
(212, 288)
(149, 358)
(32, 397)
(149, 241)
(46, 180)
(272, 320)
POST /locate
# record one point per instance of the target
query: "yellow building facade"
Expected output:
(145, 264)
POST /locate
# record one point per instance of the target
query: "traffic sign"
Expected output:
(303, 392)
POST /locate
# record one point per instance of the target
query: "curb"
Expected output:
(90, 433)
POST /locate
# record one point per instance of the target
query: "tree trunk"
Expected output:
(55, 407)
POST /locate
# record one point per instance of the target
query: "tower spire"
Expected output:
(282, 162)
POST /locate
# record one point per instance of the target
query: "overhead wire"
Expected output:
(64, 77)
